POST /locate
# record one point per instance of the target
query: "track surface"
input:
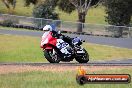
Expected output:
(96, 63)
(118, 42)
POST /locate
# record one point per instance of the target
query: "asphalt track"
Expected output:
(117, 42)
(69, 64)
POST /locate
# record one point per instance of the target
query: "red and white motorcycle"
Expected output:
(56, 49)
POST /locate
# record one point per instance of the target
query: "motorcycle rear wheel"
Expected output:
(50, 57)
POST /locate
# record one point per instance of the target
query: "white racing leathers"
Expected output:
(63, 46)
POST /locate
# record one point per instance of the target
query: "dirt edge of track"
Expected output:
(5, 69)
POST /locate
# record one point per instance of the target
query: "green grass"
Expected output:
(19, 10)
(100, 52)
(20, 49)
(27, 49)
(47, 79)
(93, 14)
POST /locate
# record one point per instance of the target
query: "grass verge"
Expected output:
(47, 79)
(15, 48)
(20, 49)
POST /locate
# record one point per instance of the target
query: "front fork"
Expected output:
(54, 52)
(79, 49)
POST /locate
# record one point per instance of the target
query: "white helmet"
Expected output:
(47, 28)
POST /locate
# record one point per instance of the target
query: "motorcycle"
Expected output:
(56, 49)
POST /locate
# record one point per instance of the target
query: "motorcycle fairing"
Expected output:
(62, 46)
(48, 40)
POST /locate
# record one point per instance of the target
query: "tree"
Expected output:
(8, 3)
(82, 7)
(119, 13)
(66, 6)
(45, 10)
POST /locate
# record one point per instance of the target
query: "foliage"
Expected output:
(66, 6)
(82, 6)
(45, 10)
(119, 12)
(28, 2)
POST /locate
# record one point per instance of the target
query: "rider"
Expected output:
(52, 28)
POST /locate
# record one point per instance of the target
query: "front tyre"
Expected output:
(52, 58)
(84, 58)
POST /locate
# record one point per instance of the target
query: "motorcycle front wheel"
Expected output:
(51, 57)
(83, 58)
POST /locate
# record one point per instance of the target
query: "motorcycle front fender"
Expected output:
(47, 47)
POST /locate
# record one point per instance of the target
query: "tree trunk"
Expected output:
(81, 21)
(6, 3)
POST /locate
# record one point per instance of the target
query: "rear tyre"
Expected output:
(84, 58)
(52, 58)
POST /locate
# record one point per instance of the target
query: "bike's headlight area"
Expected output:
(44, 42)
(77, 41)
